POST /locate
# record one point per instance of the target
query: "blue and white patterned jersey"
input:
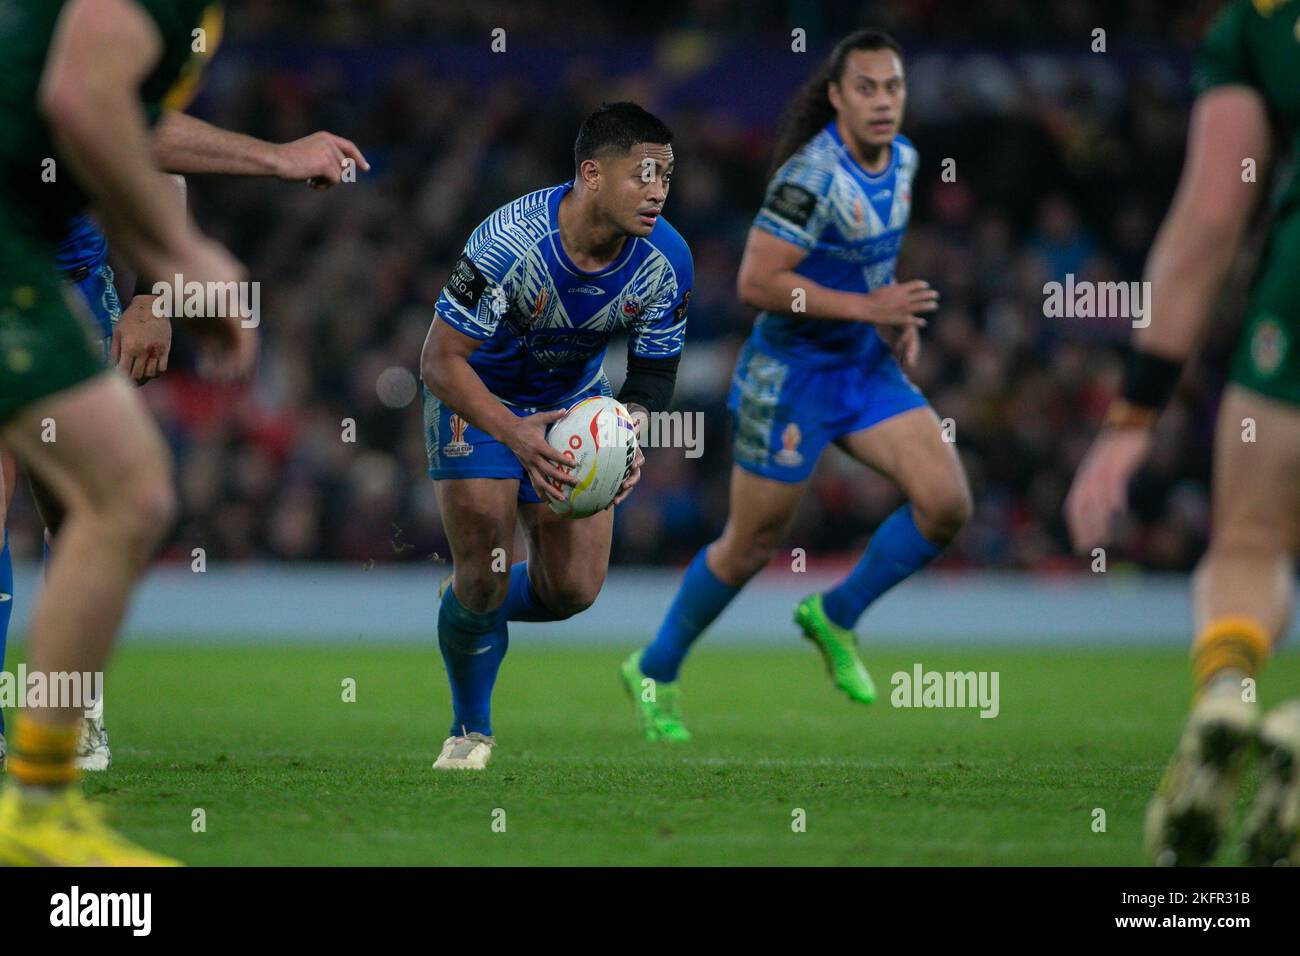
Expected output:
(851, 223)
(82, 257)
(545, 324)
(83, 248)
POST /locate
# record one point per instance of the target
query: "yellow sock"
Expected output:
(1236, 643)
(42, 755)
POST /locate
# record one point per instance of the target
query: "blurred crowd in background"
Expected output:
(1064, 160)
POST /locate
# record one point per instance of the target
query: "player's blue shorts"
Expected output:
(456, 449)
(783, 414)
(95, 286)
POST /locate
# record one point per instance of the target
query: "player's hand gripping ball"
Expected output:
(597, 437)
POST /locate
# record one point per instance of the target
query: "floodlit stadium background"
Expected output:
(1065, 162)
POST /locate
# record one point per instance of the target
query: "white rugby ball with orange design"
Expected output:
(598, 438)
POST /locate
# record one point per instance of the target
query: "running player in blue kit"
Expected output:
(519, 335)
(818, 369)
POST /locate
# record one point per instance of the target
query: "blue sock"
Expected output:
(6, 605)
(700, 599)
(522, 603)
(897, 549)
(472, 647)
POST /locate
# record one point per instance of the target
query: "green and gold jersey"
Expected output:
(44, 346)
(37, 196)
(1256, 43)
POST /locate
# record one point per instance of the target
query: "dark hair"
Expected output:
(617, 127)
(810, 109)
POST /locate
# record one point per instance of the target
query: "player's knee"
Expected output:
(1233, 550)
(570, 599)
(134, 504)
(1248, 538)
(762, 549)
(941, 516)
(141, 515)
(743, 556)
(154, 506)
(480, 592)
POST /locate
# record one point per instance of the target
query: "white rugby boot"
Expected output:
(1271, 833)
(92, 747)
(1192, 810)
(469, 752)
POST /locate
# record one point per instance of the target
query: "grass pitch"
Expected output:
(287, 772)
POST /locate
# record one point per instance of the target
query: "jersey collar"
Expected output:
(553, 208)
(843, 150)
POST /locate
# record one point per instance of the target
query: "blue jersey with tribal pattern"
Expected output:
(83, 246)
(851, 224)
(545, 323)
(82, 257)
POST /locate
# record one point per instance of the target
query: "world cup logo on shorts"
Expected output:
(458, 447)
(789, 453)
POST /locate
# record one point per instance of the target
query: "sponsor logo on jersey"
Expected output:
(792, 203)
(466, 283)
(789, 453)
(458, 447)
(587, 290)
(1268, 346)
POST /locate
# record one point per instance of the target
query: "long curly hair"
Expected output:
(810, 109)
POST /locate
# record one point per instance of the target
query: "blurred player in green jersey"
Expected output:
(1247, 79)
(82, 78)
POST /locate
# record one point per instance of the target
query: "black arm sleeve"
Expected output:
(649, 381)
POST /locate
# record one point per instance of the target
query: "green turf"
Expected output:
(288, 773)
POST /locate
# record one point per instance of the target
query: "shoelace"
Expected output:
(465, 746)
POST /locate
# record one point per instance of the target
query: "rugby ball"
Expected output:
(597, 437)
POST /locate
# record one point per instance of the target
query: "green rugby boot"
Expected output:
(657, 703)
(839, 648)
